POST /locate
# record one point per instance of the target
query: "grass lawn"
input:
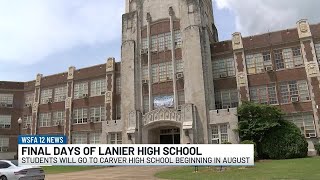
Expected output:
(66, 169)
(304, 169)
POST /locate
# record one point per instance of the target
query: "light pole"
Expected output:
(19, 131)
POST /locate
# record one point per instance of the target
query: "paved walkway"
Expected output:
(119, 173)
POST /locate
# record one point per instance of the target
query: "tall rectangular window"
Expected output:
(155, 73)
(60, 94)
(94, 138)
(278, 57)
(223, 68)
(145, 103)
(58, 118)
(27, 120)
(116, 138)
(162, 72)
(44, 119)
(6, 100)
(46, 96)
(79, 138)
(154, 43)
(317, 48)
(226, 99)
(5, 121)
(144, 44)
(305, 122)
(292, 89)
(118, 85)
(29, 98)
(4, 144)
(80, 116)
(145, 73)
(177, 39)
(169, 70)
(167, 40)
(80, 90)
(179, 66)
(98, 87)
(264, 94)
(219, 134)
(161, 42)
(98, 114)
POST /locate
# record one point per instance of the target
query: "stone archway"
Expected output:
(179, 122)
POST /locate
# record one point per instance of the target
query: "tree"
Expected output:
(256, 119)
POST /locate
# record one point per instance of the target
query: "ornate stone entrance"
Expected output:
(168, 126)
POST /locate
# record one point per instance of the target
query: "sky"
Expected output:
(48, 36)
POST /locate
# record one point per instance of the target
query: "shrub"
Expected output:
(284, 142)
(317, 147)
(255, 147)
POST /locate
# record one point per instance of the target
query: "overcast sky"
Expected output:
(48, 36)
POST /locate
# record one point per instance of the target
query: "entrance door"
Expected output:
(169, 136)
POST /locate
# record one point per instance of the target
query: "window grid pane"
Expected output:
(58, 118)
(79, 138)
(223, 68)
(97, 114)
(305, 122)
(46, 95)
(4, 144)
(98, 87)
(45, 120)
(80, 89)
(264, 94)
(80, 116)
(28, 98)
(60, 94)
(5, 121)
(225, 99)
(94, 138)
(317, 48)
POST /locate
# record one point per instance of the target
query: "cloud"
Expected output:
(259, 16)
(32, 30)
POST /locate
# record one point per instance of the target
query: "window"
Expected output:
(264, 94)
(288, 58)
(256, 63)
(27, 120)
(58, 118)
(294, 89)
(80, 90)
(144, 42)
(145, 104)
(116, 138)
(145, 73)
(80, 116)
(223, 68)
(98, 114)
(177, 38)
(179, 66)
(154, 43)
(317, 48)
(161, 42)
(181, 98)
(79, 138)
(167, 40)
(226, 99)
(98, 87)
(305, 122)
(155, 73)
(94, 138)
(161, 72)
(60, 94)
(6, 100)
(46, 96)
(5, 121)
(4, 144)
(118, 85)
(118, 111)
(29, 98)
(219, 134)
(44, 119)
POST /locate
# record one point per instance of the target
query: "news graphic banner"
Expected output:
(53, 151)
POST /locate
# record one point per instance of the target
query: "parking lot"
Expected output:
(119, 173)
